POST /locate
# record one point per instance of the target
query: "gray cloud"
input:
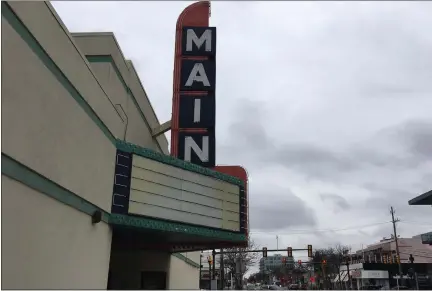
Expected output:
(417, 135)
(340, 203)
(382, 197)
(249, 138)
(280, 209)
(317, 98)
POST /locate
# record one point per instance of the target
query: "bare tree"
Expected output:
(334, 257)
(249, 258)
(233, 254)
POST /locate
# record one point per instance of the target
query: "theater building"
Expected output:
(91, 196)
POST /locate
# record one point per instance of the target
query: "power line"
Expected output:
(306, 231)
(416, 222)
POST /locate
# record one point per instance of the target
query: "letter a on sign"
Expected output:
(199, 41)
(198, 75)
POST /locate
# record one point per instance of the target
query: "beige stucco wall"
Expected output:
(138, 130)
(48, 245)
(43, 126)
(182, 275)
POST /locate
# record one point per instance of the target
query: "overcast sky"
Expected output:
(327, 105)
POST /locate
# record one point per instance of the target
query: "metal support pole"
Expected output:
(222, 270)
(349, 276)
(200, 272)
(210, 272)
(214, 265)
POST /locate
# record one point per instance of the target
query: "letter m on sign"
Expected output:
(199, 41)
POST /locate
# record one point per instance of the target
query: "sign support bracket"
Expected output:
(161, 129)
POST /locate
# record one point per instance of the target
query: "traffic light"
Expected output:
(265, 252)
(384, 259)
(397, 259)
(310, 255)
(391, 259)
(411, 258)
(324, 262)
(289, 252)
(299, 262)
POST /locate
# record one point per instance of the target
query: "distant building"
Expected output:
(274, 261)
(385, 248)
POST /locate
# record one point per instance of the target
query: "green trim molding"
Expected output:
(161, 225)
(37, 48)
(17, 171)
(21, 173)
(170, 160)
(186, 260)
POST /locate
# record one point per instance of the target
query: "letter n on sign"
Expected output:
(198, 148)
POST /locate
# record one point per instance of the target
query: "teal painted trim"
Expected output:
(186, 260)
(35, 46)
(21, 173)
(161, 225)
(172, 161)
(109, 59)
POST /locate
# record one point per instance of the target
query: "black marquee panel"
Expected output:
(122, 181)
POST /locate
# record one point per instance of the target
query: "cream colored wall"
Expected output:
(138, 131)
(182, 275)
(48, 245)
(141, 96)
(51, 133)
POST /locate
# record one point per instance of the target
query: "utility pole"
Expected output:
(392, 212)
(222, 270)
(200, 270)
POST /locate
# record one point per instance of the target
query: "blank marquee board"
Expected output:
(166, 192)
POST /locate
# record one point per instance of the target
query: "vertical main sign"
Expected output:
(194, 105)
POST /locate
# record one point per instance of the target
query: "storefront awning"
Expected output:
(423, 199)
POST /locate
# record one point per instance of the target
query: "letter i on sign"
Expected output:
(197, 110)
